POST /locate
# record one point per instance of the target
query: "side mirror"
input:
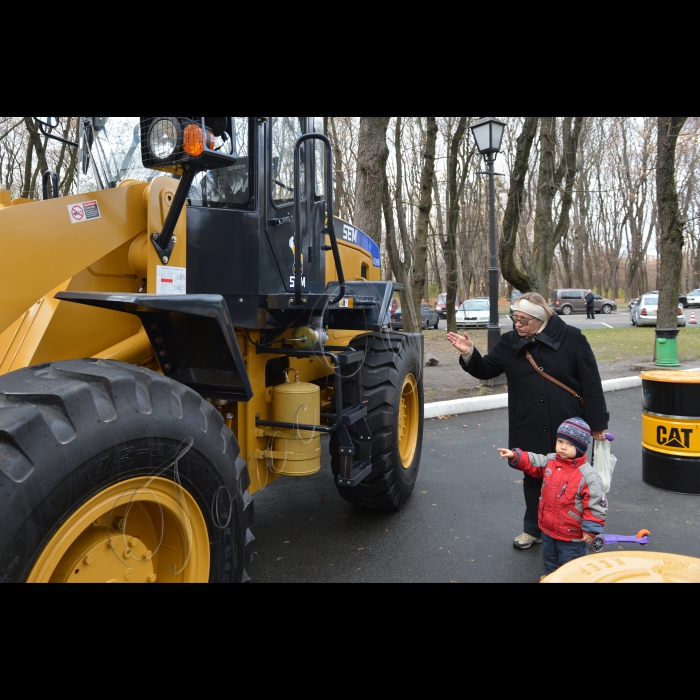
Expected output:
(48, 122)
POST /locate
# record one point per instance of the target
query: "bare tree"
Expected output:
(514, 211)
(373, 153)
(671, 223)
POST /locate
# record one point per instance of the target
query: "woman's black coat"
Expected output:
(537, 406)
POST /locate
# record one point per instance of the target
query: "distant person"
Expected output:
(537, 405)
(573, 509)
(590, 304)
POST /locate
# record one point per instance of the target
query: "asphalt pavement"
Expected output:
(460, 524)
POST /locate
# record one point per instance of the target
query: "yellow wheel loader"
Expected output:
(182, 334)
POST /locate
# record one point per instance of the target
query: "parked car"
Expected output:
(573, 301)
(429, 319)
(632, 304)
(441, 306)
(645, 313)
(474, 313)
(682, 298)
(694, 298)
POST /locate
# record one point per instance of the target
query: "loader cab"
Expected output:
(240, 217)
(241, 221)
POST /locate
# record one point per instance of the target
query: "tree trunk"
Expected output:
(514, 209)
(419, 272)
(339, 177)
(547, 235)
(373, 153)
(455, 186)
(670, 220)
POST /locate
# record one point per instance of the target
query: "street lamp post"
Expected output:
(488, 133)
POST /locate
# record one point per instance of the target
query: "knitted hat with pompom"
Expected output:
(578, 433)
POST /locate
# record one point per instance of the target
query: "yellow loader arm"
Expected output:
(97, 242)
(42, 247)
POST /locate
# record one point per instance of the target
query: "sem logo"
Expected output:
(350, 234)
(675, 437)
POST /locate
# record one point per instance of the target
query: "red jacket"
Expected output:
(573, 497)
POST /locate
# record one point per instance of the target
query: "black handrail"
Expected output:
(330, 213)
(53, 176)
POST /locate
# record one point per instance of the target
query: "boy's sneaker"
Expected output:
(526, 541)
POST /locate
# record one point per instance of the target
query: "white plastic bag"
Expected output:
(605, 463)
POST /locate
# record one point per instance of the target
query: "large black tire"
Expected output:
(71, 430)
(390, 359)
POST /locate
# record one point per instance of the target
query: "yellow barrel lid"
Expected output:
(671, 377)
(629, 567)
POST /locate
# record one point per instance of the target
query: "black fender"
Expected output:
(364, 307)
(192, 337)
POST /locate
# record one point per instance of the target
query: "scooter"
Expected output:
(643, 538)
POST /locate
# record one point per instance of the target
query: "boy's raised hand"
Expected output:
(507, 454)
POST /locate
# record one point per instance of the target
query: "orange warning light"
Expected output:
(193, 142)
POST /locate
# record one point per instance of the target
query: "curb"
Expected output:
(462, 407)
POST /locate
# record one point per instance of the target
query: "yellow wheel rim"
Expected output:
(409, 421)
(138, 531)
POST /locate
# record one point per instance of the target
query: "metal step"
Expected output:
(359, 472)
(353, 415)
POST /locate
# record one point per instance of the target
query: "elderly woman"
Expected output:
(541, 343)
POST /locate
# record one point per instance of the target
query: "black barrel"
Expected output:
(671, 431)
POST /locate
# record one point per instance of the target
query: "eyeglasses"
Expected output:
(520, 321)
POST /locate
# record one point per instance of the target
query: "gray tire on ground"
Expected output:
(70, 430)
(390, 358)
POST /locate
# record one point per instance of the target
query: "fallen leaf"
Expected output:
(689, 523)
(361, 549)
(426, 493)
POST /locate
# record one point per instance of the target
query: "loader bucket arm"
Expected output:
(42, 247)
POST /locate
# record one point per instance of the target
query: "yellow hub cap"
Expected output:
(139, 531)
(409, 421)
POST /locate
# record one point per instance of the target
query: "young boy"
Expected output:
(573, 507)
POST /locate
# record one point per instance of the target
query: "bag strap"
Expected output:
(540, 371)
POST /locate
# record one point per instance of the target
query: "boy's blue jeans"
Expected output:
(557, 553)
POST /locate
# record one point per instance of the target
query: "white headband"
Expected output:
(534, 310)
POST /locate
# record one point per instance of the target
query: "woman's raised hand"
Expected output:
(462, 343)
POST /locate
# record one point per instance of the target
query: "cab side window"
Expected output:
(286, 131)
(229, 187)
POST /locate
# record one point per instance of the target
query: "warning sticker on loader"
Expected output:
(171, 281)
(86, 211)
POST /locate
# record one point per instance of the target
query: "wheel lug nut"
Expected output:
(89, 560)
(129, 575)
(152, 578)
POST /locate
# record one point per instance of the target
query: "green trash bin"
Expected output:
(667, 347)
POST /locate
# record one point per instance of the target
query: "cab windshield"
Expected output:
(110, 153)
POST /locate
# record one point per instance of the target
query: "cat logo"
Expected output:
(678, 438)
